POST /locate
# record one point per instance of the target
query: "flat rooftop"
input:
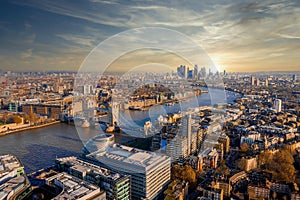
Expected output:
(131, 155)
(83, 166)
(8, 163)
(73, 188)
(11, 185)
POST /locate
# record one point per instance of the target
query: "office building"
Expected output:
(294, 77)
(277, 105)
(190, 74)
(116, 185)
(196, 72)
(187, 131)
(225, 140)
(183, 71)
(252, 80)
(87, 89)
(150, 172)
(74, 188)
(14, 184)
(10, 167)
(203, 72)
(157, 142)
(176, 147)
(257, 82)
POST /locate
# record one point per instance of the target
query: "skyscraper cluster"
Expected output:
(187, 73)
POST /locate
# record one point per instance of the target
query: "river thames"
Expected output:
(38, 148)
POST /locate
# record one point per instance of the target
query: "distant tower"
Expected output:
(180, 71)
(87, 89)
(267, 82)
(203, 72)
(183, 71)
(186, 71)
(209, 72)
(190, 74)
(257, 82)
(277, 105)
(252, 80)
(196, 71)
(294, 77)
(187, 131)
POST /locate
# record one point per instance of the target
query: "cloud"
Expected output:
(28, 26)
(82, 11)
(289, 36)
(235, 32)
(85, 41)
(105, 2)
(26, 54)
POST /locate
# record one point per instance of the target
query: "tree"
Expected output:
(32, 117)
(26, 118)
(281, 165)
(241, 163)
(244, 147)
(5, 117)
(223, 169)
(264, 156)
(186, 173)
(17, 119)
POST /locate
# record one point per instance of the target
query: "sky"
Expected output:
(58, 35)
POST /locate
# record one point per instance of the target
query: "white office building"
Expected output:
(277, 105)
(177, 147)
(150, 172)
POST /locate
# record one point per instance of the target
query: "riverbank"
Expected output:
(28, 128)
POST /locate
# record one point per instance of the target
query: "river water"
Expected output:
(38, 148)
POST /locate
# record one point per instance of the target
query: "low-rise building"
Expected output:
(225, 186)
(177, 190)
(212, 193)
(10, 167)
(14, 183)
(237, 177)
(15, 188)
(74, 188)
(258, 191)
(208, 159)
(248, 163)
(116, 185)
(49, 110)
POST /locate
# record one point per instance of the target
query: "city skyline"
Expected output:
(244, 36)
(188, 135)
